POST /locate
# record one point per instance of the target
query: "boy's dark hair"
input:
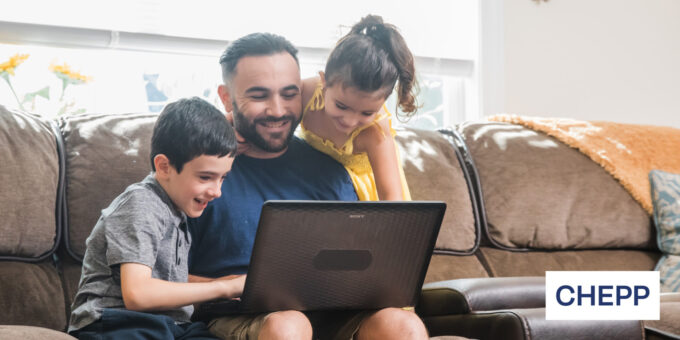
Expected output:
(372, 57)
(189, 128)
(254, 44)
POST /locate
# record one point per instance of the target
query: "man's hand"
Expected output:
(242, 143)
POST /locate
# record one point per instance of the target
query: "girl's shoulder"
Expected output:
(309, 89)
(375, 133)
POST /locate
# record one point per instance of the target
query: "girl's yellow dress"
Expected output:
(357, 165)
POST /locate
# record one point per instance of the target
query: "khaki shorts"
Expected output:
(331, 325)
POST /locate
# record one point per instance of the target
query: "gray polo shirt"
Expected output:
(142, 226)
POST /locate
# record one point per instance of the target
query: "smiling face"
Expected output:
(264, 97)
(198, 183)
(348, 108)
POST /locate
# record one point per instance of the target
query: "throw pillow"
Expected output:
(665, 188)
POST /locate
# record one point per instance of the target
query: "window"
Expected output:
(164, 50)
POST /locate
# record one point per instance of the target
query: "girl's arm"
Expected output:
(307, 90)
(378, 143)
(141, 292)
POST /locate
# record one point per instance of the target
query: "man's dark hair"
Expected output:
(189, 128)
(254, 44)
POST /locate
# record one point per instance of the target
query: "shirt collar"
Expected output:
(152, 182)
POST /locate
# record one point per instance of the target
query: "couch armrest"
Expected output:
(537, 327)
(670, 297)
(529, 324)
(463, 296)
(668, 326)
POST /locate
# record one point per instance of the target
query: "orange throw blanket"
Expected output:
(627, 151)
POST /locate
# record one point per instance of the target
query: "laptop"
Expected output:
(323, 255)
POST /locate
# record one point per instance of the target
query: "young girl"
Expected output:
(346, 117)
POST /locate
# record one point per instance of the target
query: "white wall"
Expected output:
(614, 60)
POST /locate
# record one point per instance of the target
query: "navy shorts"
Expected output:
(127, 324)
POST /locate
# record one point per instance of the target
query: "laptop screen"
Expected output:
(319, 255)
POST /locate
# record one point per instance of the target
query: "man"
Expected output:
(262, 91)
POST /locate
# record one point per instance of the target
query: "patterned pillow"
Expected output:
(666, 199)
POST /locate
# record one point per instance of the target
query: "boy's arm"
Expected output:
(196, 278)
(378, 143)
(141, 292)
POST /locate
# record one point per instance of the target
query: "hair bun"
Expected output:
(372, 26)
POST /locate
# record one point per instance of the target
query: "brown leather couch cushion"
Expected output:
(31, 295)
(32, 333)
(449, 267)
(433, 172)
(70, 275)
(540, 193)
(104, 154)
(501, 325)
(535, 263)
(29, 180)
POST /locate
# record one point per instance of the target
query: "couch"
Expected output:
(514, 211)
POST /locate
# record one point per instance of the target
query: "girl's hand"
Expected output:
(242, 143)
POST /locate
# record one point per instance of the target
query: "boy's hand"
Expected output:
(242, 143)
(229, 277)
(232, 285)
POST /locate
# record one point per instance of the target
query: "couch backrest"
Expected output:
(434, 171)
(109, 152)
(31, 292)
(505, 263)
(30, 180)
(104, 154)
(541, 194)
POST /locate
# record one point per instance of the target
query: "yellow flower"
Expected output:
(65, 70)
(12, 63)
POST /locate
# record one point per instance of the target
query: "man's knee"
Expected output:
(393, 323)
(286, 325)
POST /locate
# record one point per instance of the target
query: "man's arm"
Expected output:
(141, 292)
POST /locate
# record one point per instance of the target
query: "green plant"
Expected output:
(63, 72)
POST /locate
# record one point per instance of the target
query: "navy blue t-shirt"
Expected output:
(223, 235)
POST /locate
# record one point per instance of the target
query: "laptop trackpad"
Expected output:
(328, 259)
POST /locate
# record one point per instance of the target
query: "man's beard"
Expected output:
(248, 130)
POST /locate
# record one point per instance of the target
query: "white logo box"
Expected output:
(614, 295)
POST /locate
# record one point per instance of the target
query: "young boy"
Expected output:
(134, 279)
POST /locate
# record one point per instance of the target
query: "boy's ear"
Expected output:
(162, 164)
(225, 96)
